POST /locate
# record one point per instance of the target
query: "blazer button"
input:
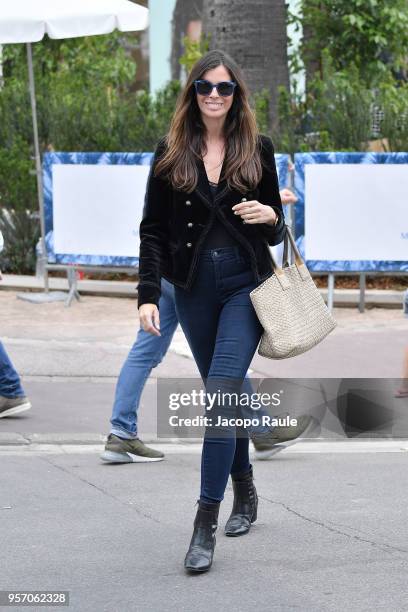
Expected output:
(189, 245)
(243, 200)
(189, 225)
(188, 203)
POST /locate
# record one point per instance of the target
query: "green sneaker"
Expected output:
(11, 406)
(274, 440)
(118, 450)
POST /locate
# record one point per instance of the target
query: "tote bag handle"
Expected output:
(299, 263)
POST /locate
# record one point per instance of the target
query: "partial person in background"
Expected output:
(12, 397)
(123, 444)
(402, 391)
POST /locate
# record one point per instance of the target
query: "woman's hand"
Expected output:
(149, 319)
(255, 212)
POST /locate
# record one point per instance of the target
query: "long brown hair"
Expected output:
(185, 141)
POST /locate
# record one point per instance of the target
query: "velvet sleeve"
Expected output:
(153, 234)
(269, 193)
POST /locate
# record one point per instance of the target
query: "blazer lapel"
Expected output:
(222, 184)
(203, 188)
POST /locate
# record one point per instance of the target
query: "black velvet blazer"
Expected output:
(175, 223)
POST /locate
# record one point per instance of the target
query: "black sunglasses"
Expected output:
(224, 89)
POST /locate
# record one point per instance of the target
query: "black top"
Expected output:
(218, 236)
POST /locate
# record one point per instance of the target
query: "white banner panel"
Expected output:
(97, 209)
(356, 212)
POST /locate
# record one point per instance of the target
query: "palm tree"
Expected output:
(311, 47)
(253, 32)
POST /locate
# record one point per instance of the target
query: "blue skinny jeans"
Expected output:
(146, 353)
(223, 332)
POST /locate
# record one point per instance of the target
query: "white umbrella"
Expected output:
(27, 21)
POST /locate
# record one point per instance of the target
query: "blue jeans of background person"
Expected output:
(223, 332)
(10, 384)
(146, 353)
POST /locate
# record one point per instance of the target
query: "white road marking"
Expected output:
(194, 448)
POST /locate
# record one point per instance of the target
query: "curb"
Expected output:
(91, 439)
(27, 439)
(342, 297)
(86, 287)
(303, 446)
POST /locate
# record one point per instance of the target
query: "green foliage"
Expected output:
(17, 183)
(94, 58)
(359, 48)
(193, 50)
(20, 229)
(141, 119)
(338, 114)
(85, 102)
(291, 112)
(372, 34)
(341, 106)
(393, 101)
(15, 112)
(261, 101)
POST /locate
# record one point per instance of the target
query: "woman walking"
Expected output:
(212, 207)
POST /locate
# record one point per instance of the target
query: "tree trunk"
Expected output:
(254, 33)
(310, 50)
(311, 57)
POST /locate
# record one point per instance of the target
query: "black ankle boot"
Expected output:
(200, 553)
(245, 508)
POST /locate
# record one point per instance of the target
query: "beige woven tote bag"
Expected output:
(290, 308)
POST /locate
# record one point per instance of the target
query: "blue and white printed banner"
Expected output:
(93, 206)
(352, 211)
(282, 167)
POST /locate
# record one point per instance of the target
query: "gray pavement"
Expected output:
(69, 359)
(91, 339)
(332, 531)
(331, 534)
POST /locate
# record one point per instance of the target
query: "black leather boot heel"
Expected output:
(201, 551)
(245, 508)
